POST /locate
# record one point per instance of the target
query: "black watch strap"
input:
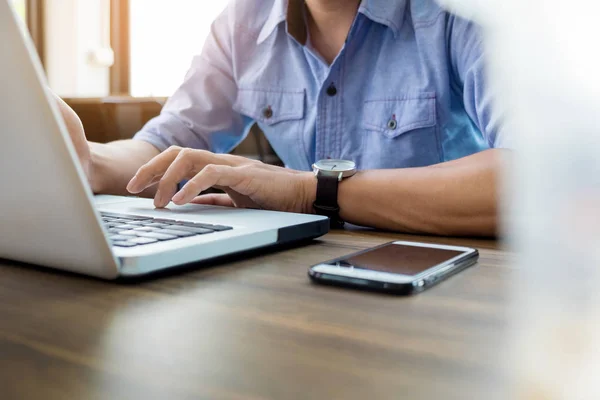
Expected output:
(326, 203)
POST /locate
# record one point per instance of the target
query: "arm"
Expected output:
(468, 75)
(454, 198)
(459, 197)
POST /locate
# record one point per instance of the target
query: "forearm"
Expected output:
(114, 164)
(454, 198)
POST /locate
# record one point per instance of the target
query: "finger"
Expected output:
(154, 181)
(222, 200)
(236, 178)
(154, 171)
(185, 164)
(148, 173)
(233, 160)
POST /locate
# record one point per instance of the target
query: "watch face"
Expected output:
(335, 165)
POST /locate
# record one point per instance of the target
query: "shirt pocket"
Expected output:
(397, 116)
(401, 132)
(280, 116)
(270, 107)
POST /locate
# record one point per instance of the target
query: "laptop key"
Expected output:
(137, 223)
(198, 231)
(147, 222)
(123, 217)
(126, 227)
(221, 228)
(175, 232)
(114, 230)
(217, 228)
(129, 233)
(156, 235)
(143, 240)
(119, 238)
(110, 215)
(125, 244)
(195, 225)
(157, 225)
(145, 229)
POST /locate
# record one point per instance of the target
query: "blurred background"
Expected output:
(115, 62)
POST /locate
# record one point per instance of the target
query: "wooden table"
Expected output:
(254, 329)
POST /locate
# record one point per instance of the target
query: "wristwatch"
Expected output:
(329, 174)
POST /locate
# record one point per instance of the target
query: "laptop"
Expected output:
(49, 216)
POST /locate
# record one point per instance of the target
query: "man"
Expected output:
(397, 86)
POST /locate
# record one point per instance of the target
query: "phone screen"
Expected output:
(400, 259)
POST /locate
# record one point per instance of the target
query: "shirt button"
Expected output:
(331, 90)
(392, 124)
(267, 112)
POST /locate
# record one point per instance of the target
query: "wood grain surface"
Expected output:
(255, 328)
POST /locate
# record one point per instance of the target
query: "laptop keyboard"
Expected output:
(132, 231)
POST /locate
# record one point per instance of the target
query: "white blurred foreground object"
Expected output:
(545, 69)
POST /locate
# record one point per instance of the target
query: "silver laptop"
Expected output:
(49, 216)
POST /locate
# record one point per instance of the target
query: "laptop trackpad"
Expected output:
(135, 204)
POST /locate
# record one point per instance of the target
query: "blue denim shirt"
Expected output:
(408, 88)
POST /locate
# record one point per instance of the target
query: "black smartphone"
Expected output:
(396, 267)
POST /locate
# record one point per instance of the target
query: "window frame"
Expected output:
(35, 24)
(120, 84)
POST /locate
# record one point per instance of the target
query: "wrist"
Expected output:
(329, 175)
(309, 192)
(91, 170)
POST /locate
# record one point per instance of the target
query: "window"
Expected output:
(140, 48)
(77, 47)
(164, 37)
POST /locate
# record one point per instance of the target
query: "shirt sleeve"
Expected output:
(470, 72)
(200, 113)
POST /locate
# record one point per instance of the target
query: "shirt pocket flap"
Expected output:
(395, 116)
(270, 106)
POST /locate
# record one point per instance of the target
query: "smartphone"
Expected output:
(396, 267)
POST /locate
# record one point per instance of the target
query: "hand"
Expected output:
(77, 134)
(247, 183)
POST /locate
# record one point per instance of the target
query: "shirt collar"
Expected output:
(386, 12)
(291, 11)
